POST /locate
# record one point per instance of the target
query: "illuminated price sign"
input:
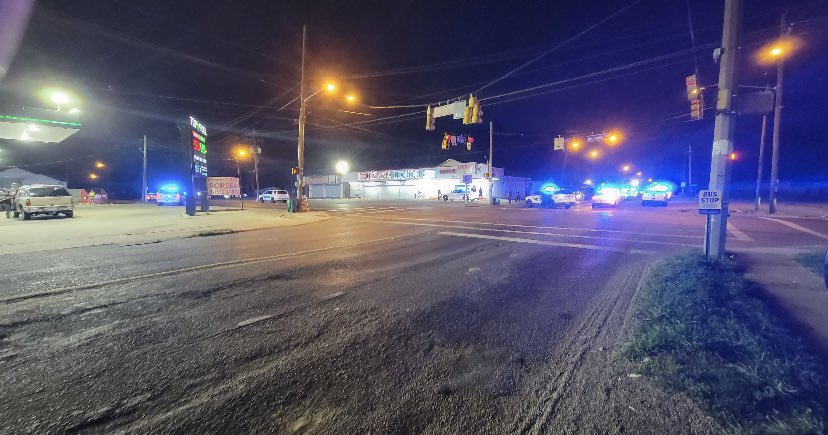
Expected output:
(199, 147)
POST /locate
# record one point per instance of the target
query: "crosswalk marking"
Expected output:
(798, 227)
(547, 243)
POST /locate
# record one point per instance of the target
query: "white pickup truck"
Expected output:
(40, 199)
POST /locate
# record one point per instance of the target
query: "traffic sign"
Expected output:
(710, 202)
(467, 179)
(559, 143)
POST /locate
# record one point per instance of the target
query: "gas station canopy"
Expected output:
(37, 125)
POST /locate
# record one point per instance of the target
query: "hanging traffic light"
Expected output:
(294, 170)
(468, 112)
(477, 113)
(446, 138)
(697, 109)
(692, 87)
(469, 142)
(430, 119)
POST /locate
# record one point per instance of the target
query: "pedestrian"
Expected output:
(439, 195)
(509, 196)
(518, 195)
(480, 192)
(91, 197)
(7, 198)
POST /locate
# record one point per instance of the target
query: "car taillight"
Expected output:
(28, 203)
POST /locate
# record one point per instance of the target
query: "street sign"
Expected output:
(710, 202)
(467, 179)
(596, 137)
(559, 143)
(455, 110)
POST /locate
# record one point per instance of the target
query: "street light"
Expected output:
(330, 87)
(594, 154)
(100, 165)
(351, 98)
(614, 138)
(574, 145)
(59, 98)
(342, 167)
(93, 176)
(626, 168)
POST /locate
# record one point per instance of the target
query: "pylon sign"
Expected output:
(559, 143)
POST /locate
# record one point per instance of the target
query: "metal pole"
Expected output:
(690, 169)
(777, 122)
(723, 130)
(300, 180)
(758, 199)
(144, 177)
(563, 168)
(491, 154)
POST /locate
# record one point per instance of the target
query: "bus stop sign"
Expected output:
(710, 202)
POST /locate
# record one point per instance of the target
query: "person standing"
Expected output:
(6, 199)
(91, 197)
(518, 195)
(509, 196)
(439, 195)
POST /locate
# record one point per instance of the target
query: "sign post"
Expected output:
(467, 179)
(710, 203)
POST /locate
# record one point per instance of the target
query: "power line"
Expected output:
(561, 44)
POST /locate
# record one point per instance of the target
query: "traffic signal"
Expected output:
(430, 119)
(477, 113)
(446, 139)
(697, 109)
(294, 170)
(468, 112)
(469, 143)
(692, 87)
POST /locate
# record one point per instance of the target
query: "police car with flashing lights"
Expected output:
(656, 194)
(552, 196)
(607, 196)
(169, 194)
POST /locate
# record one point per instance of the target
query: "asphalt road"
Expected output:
(400, 317)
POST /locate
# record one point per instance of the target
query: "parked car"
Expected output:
(169, 195)
(43, 199)
(656, 194)
(607, 197)
(274, 195)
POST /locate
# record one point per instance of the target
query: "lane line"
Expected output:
(797, 227)
(547, 243)
(211, 266)
(549, 227)
(737, 233)
(538, 233)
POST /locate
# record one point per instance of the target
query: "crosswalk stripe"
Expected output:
(547, 243)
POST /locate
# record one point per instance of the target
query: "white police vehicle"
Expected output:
(656, 194)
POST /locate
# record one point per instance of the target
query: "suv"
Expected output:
(274, 195)
(35, 199)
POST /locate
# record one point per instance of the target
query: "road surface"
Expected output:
(403, 317)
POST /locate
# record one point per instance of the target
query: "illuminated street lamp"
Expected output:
(330, 87)
(733, 156)
(614, 138)
(59, 98)
(575, 145)
(93, 176)
(342, 167)
(594, 154)
(100, 165)
(626, 168)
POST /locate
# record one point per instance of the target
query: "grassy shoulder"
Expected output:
(218, 232)
(707, 332)
(813, 260)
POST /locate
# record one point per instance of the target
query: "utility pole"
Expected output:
(758, 199)
(777, 122)
(302, 204)
(491, 154)
(690, 169)
(255, 149)
(144, 177)
(563, 167)
(723, 130)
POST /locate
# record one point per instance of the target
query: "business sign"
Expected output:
(710, 202)
(558, 143)
(390, 174)
(466, 168)
(198, 142)
(223, 186)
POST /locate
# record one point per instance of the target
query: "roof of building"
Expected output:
(21, 176)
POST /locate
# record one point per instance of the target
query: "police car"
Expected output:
(168, 194)
(656, 194)
(552, 196)
(607, 196)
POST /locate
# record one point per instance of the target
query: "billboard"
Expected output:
(223, 186)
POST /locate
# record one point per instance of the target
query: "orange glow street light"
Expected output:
(594, 154)
(100, 165)
(93, 176)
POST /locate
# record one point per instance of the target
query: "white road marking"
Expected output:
(737, 233)
(637, 233)
(534, 233)
(211, 266)
(547, 243)
(798, 227)
(253, 320)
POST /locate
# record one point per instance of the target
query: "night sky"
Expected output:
(141, 67)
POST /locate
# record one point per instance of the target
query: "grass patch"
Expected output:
(208, 233)
(707, 332)
(813, 260)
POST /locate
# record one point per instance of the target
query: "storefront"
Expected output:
(427, 183)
